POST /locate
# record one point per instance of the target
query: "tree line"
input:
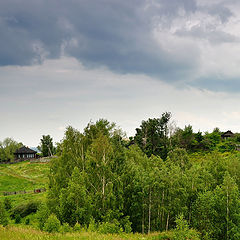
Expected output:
(162, 178)
(145, 184)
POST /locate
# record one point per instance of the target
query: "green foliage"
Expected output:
(98, 178)
(101, 127)
(87, 170)
(182, 230)
(25, 209)
(75, 204)
(126, 224)
(226, 146)
(43, 214)
(216, 213)
(77, 227)
(7, 148)
(192, 142)
(46, 146)
(65, 228)
(110, 227)
(27, 221)
(3, 215)
(18, 218)
(92, 227)
(152, 138)
(179, 157)
(7, 203)
(52, 224)
(185, 138)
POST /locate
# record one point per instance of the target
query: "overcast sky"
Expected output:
(68, 62)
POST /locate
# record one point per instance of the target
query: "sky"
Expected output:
(70, 62)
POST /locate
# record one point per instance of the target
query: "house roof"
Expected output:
(227, 134)
(24, 150)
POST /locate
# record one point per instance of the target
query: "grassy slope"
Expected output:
(23, 176)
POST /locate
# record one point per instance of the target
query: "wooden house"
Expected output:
(227, 134)
(25, 153)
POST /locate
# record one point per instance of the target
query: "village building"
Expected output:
(227, 135)
(25, 153)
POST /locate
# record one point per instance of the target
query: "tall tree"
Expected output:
(75, 202)
(184, 138)
(152, 136)
(46, 146)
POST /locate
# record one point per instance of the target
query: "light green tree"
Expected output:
(46, 146)
(75, 202)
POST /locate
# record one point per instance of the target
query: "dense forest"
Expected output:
(163, 178)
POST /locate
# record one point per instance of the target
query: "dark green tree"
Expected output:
(152, 136)
(184, 138)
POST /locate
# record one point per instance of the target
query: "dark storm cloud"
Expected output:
(112, 33)
(115, 34)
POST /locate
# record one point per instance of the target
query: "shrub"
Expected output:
(110, 227)
(125, 222)
(183, 232)
(17, 219)
(7, 203)
(27, 221)
(77, 227)
(92, 226)
(65, 228)
(25, 209)
(52, 224)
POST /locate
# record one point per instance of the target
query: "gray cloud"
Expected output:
(218, 84)
(115, 34)
(214, 37)
(112, 33)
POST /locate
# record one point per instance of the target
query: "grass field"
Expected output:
(23, 233)
(23, 176)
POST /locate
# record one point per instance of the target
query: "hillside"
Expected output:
(23, 176)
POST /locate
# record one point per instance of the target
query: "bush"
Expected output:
(183, 232)
(92, 226)
(17, 219)
(126, 224)
(110, 227)
(52, 224)
(25, 209)
(7, 204)
(77, 227)
(27, 221)
(65, 228)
